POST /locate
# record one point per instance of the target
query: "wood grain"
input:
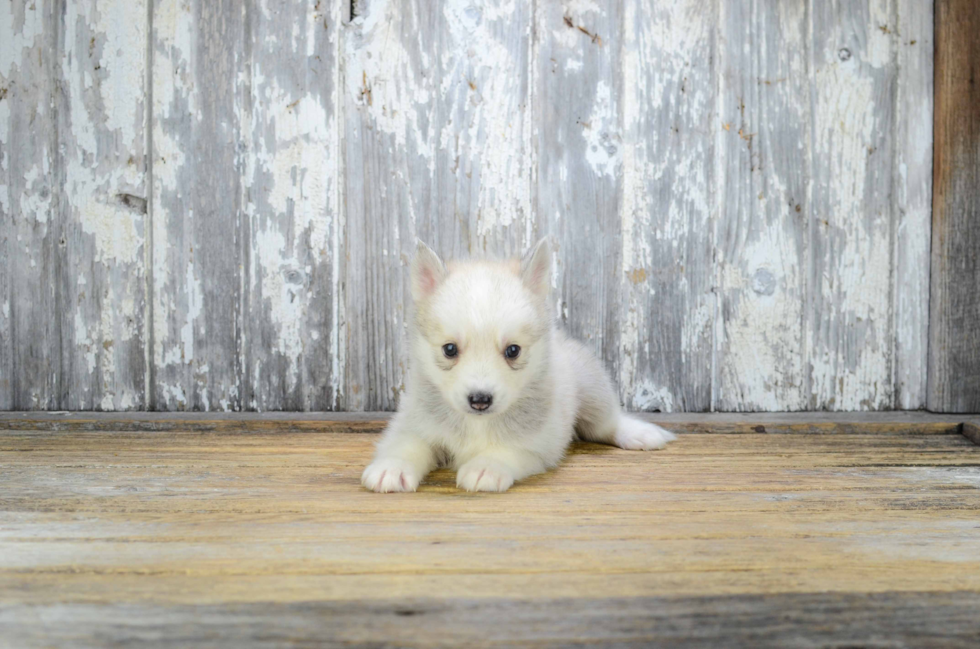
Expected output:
(578, 144)
(73, 205)
(111, 536)
(102, 136)
(795, 620)
(912, 177)
(290, 349)
(668, 311)
(763, 241)
(851, 212)
(199, 99)
(436, 135)
(31, 207)
(954, 333)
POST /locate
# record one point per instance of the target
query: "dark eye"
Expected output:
(450, 350)
(512, 352)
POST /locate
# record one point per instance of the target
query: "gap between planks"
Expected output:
(882, 423)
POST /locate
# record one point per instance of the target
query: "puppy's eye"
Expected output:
(450, 350)
(512, 352)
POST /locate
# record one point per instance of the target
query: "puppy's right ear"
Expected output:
(428, 271)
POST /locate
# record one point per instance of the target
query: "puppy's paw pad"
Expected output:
(636, 435)
(388, 475)
(484, 475)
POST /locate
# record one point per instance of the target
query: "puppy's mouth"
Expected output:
(480, 412)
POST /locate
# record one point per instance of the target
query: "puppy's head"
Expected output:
(481, 327)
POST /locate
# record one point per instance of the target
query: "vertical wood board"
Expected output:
(436, 130)
(290, 349)
(954, 338)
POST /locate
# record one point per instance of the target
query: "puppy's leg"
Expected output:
(600, 418)
(401, 461)
(497, 469)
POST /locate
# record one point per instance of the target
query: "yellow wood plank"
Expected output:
(212, 517)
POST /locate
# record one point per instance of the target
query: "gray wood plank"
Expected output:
(436, 147)
(31, 206)
(913, 200)
(199, 73)
(954, 345)
(102, 135)
(851, 215)
(578, 162)
(291, 344)
(668, 310)
(762, 255)
(889, 619)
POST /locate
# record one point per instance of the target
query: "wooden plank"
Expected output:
(954, 345)
(199, 92)
(92, 524)
(851, 213)
(762, 249)
(912, 200)
(578, 164)
(436, 147)
(73, 205)
(895, 423)
(291, 340)
(798, 620)
(102, 136)
(31, 223)
(668, 309)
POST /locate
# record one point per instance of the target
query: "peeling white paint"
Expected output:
(603, 142)
(301, 163)
(857, 281)
(36, 201)
(381, 77)
(466, 102)
(18, 37)
(122, 37)
(483, 69)
(647, 396)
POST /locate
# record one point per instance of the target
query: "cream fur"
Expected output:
(555, 389)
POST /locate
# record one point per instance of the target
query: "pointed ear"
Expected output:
(428, 271)
(536, 268)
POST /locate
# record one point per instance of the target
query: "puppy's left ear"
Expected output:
(428, 271)
(536, 268)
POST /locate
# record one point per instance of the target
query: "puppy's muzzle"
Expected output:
(480, 401)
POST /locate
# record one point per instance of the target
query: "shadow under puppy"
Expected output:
(494, 390)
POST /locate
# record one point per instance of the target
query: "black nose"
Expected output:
(480, 400)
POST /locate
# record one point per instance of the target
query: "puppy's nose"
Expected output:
(480, 400)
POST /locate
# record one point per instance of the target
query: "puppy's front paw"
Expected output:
(390, 474)
(637, 435)
(484, 474)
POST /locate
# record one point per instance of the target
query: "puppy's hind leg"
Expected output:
(638, 435)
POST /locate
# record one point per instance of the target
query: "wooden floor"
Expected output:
(255, 532)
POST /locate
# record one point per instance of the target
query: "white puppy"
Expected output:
(493, 389)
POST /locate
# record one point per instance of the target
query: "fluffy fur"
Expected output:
(554, 389)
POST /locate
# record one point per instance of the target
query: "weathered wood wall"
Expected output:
(211, 204)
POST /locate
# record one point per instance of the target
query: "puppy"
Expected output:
(494, 390)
